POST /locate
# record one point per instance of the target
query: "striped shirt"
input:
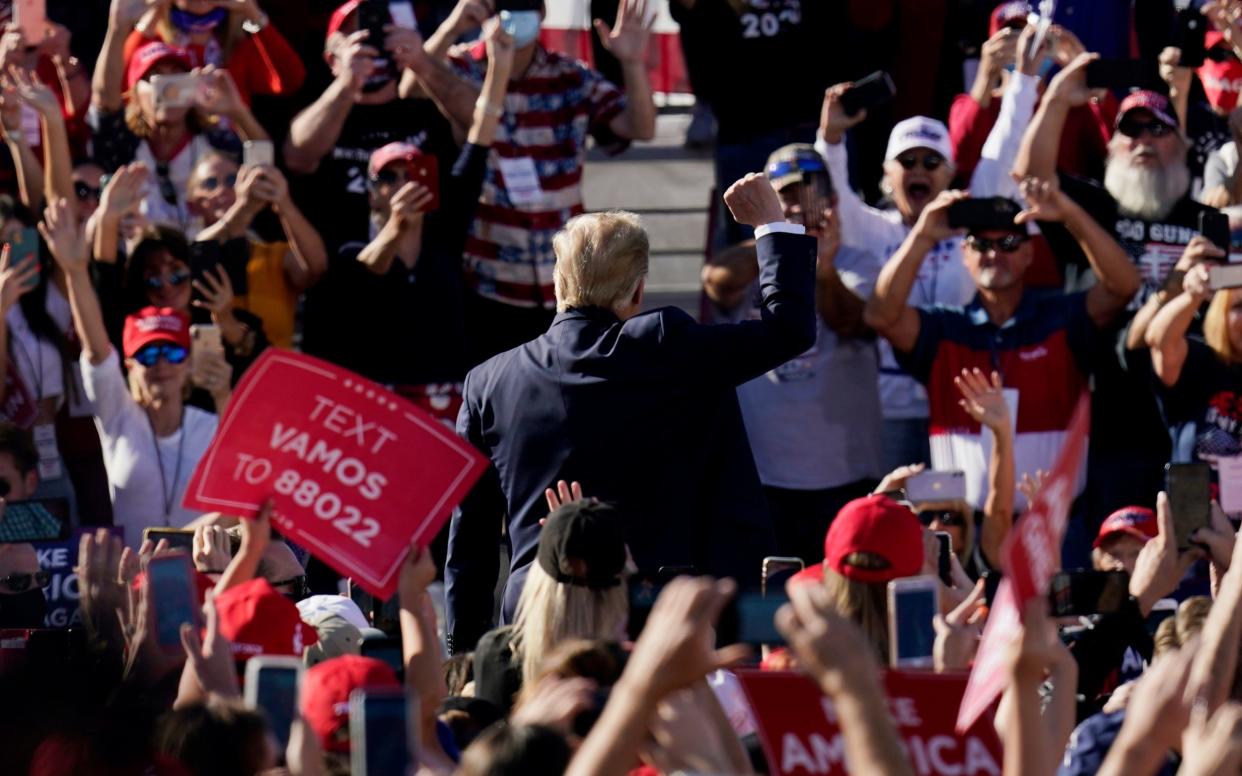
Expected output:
(549, 112)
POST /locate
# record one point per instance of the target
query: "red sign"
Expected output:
(801, 735)
(1032, 553)
(355, 470)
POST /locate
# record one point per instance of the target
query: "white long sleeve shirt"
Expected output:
(1000, 151)
(942, 278)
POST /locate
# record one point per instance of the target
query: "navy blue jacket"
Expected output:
(643, 413)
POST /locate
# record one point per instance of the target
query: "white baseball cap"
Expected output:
(919, 132)
(319, 607)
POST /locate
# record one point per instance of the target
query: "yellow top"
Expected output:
(271, 297)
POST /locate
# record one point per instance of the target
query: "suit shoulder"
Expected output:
(656, 324)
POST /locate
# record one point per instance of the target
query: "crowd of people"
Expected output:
(885, 368)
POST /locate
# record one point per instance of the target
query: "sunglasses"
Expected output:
(213, 182)
(1134, 128)
(155, 283)
(20, 583)
(84, 191)
(298, 587)
(387, 177)
(1007, 244)
(151, 354)
(1217, 54)
(930, 162)
(948, 519)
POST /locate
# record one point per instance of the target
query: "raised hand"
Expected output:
(627, 40)
(209, 661)
(210, 549)
(957, 633)
(64, 238)
(215, 375)
(407, 205)
(829, 647)
(1070, 85)
(1044, 200)
(834, 122)
(217, 291)
(753, 202)
(356, 60)
(500, 47)
(418, 571)
(125, 190)
(469, 15)
(405, 44)
(1160, 566)
(999, 50)
(1030, 484)
(220, 96)
(15, 281)
(104, 594)
(933, 223)
(896, 479)
(33, 93)
(984, 401)
(1212, 746)
(565, 493)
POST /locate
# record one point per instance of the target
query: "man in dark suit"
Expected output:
(639, 408)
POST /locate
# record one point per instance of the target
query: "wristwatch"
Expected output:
(253, 27)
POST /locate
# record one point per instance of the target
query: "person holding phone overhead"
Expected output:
(1200, 376)
(167, 129)
(151, 440)
(1040, 341)
(233, 34)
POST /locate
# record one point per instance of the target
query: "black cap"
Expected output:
(589, 532)
(994, 213)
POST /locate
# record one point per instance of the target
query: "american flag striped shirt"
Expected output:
(549, 112)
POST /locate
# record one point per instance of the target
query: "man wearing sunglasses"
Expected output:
(22, 603)
(1040, 341)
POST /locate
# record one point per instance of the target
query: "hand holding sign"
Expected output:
(355, 471)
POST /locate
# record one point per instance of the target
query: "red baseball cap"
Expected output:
(340, 15)
(325, 694)
(148, 56)
(260, 621)
(1154, 103)
(393, 152)
(1139, 522)
(155, 324)
(1005, 14)
(879, 526)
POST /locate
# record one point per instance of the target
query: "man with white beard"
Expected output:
(1145, 202)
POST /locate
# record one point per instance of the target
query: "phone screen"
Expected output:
(387, 650)
(945, 542)
(1187, 485)
(23, 249)
(916, 608)
(936, 486)
(384, 721)
(176, 538)
(777, 571)
(171, 582)
(750, 619)
(278, 697)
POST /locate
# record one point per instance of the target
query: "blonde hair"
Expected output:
(551, 612)
(967, 513)
(864, 603)
(1216, 326)
(600, 258)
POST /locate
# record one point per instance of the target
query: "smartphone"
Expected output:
(750, 618)
(981, 213)
(372, 16)
(24, 249)
(34, 520)
(206, 255)
(1191, 28)
(272, 685)
(387, 649)
(402, 14)
(426, 170)
(30, 16)
(257, 152)
(912, 605)
(1225, 276)
(1083, 592)
(171, 582)
(205, 339)
(1118, 74)
(866, 93)
(1187, 487)
(945, 554)
(776, 572)
(936, 486)
(1214, 225)
(177, 538)
(991, 583)
(379, 731)
(177, 90)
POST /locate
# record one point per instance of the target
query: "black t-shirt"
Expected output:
(1204, 408)
(766, 66)
(1208, 131)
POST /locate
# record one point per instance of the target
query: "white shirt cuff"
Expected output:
(779, 226)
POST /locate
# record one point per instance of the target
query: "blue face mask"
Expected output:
(522, 25)
(192, 22)
(1045, 67)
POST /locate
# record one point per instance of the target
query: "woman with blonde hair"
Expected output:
(1200, 377)
(575, 589)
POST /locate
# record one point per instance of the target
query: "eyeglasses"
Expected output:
(930, 161)
(1135, 128)
(156, 282)
(946, 518)
(298, 587)
(20, 583)
(151, 354)
(84, 191)
(1007, 244)
(213, 182)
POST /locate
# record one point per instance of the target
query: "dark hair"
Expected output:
(18, 443)
(458, 672)
(505, 749)
(214, 738)
(154, 239)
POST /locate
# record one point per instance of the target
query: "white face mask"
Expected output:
(522, 25)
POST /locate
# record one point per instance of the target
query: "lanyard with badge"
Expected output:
(168, 493)
(44, 431)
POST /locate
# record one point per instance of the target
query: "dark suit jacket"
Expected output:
(643, 413)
